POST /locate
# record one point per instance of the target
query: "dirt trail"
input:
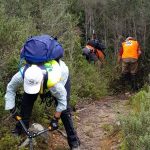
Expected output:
(98, 125)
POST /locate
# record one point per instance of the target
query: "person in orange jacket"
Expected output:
(94, 50)
(129, 54)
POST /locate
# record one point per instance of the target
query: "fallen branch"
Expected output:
(81, 109)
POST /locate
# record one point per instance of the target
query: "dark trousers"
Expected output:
(131, 79)
(66, 117)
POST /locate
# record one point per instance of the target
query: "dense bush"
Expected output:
(88, 81)
(136, 126)
(13, 33)
(9, 142)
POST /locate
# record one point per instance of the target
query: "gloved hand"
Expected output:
(14, 112)
(54, 123)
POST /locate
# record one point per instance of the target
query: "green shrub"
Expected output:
(2, 111)
(9, 143)
(13, 33)
(87, 82)
(136, 126)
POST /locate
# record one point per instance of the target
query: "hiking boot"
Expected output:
(75, 148)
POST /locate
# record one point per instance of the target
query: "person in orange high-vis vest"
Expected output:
(129, 54)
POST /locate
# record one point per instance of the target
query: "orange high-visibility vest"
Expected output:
(130, 49)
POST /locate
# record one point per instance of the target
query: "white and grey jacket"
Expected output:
(58, 90)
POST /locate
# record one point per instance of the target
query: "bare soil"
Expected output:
(97, 124)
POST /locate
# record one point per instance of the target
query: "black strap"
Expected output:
(25, 68)
(45, 81)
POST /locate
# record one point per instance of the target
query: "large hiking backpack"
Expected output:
(96, 44)
(38, 49)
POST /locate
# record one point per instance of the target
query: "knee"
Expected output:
(66, 112)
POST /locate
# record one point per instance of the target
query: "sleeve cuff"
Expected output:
(9, 105)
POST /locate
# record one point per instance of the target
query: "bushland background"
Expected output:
(73, 22)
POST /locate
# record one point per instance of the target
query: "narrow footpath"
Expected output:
(98, 124)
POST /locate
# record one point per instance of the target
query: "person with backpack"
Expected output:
(50, 76)
(94, 50)
(96, 43)
(129, 54)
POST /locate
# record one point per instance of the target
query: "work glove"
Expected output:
(54, 123)
(14, 112)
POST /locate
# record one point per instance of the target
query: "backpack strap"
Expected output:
(44, 86)
(24, 70)
(45, 79)
(19, 66)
